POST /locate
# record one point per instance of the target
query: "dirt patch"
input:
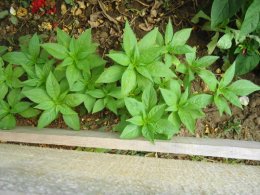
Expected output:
(107, 21)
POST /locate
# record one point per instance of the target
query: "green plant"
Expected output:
(182, 108)
(147, 118)
(53, 100)
(9, 78)
(77, 55)
(230, 91)
(236, 27)
(138, 64)
(147, 86)
(14, 105)
(232, 126)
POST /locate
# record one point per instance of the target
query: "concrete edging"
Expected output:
(225, 148)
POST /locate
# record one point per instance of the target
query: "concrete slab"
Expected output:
(32, 170)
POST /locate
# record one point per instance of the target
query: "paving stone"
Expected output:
(34, 170)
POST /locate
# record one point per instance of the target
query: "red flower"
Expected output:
(37, 4)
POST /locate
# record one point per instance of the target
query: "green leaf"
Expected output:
(156, 112)
(63, 38)
(168, 32)
(225, 42)
(74, 100)
(182, 49)
(230, 96)
(129, 40)
(147, 133)
(4, 90)
(119, 58)
(165, 127)
(245, 64)
(97, 93)
(134, 107)
(111, 74)
(89, 103)
(14, 97)
(149, 97)
(199, 15)
(128, 81)
(144, 72)
(148, 40)
(20, 107)
(16, 58)
(187, 119)
(222, 10)
(3, 14)
(228, 76)
(37, 95)
(29, 113)
(243, 87)
(34, 46)
(201, 100)
(175, 120)
(181, 37)
(150, 55)
(85, 40)
(136, 120)
(72, 120)
(159, 69)
(184, 97)
(251, 20)
(72, 74)
(213, 43)
(57, 51)
(205, 61)
(47, 117)
(46, 105)
(222, 105)
(8, 122)
(98, 106)
(169, 96)
(130, 132)
(52, 86)
(209, 78)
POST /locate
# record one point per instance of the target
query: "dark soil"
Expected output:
(107, 21)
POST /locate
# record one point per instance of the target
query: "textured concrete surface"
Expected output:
(32, 170)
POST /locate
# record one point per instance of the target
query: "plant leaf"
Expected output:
(129, 40)
(57, 51)
(134, 107)
(8, 122)
(228, 76)
(243, 87)
(209, 78)
(187, 119)
(149, 97)
(52, 86)
(73, 100)
(120, 58)
(136, 120)
(128, 81)
(72, 120)
(111, 74)
(181, 37)
(130, 132)
(47, 117)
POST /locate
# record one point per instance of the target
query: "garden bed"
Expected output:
(107, 20)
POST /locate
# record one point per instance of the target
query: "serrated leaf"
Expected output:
(201, 100)
(120, 58)
(148, 40)
(169, 96)
(37, 95)
(8, 122)
(130, 132)
(149, 97)
(128, 81)
(134, 107)
(52, 86)
(74, 100)
(111, 74)
(98, 106)
(181, 37)
(57, 51)
(129, 40)
(136, 120)
(209, 78)
(228, 76)
(34, 46)
(243, 87)
(187, 119)
(47, 117)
